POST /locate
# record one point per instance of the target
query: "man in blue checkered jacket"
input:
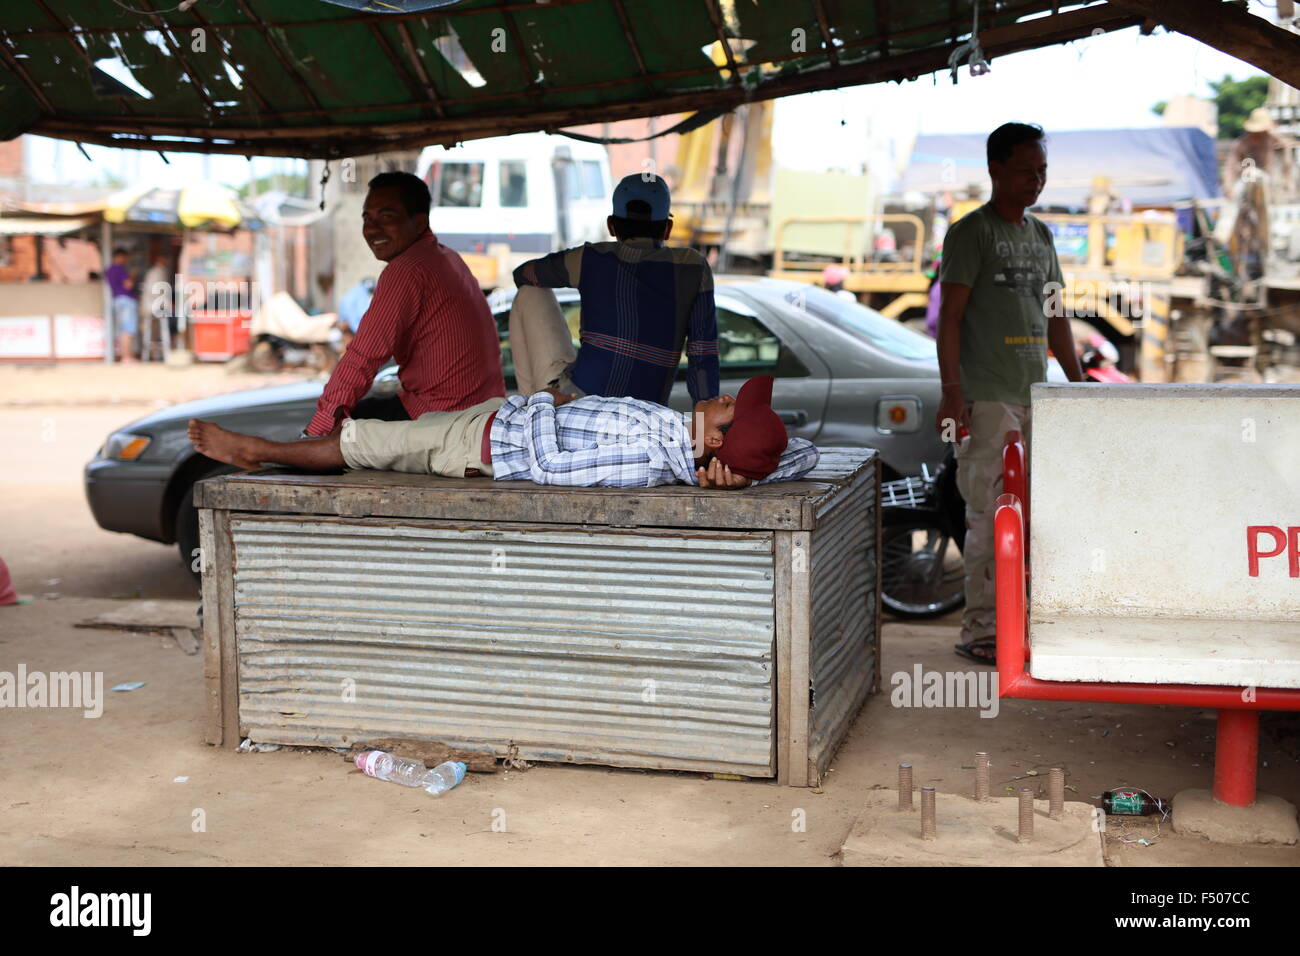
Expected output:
(644, 303)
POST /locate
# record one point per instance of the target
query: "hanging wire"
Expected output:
(325, 177)
(970, 50)
(179, 8)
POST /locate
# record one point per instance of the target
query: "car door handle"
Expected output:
(795, 418)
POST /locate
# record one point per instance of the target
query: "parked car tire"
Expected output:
(187, 522)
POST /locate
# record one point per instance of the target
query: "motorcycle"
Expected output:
(923, 534)
(1098, 359)
(923, 522)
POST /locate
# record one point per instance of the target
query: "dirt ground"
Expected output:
(133, 786)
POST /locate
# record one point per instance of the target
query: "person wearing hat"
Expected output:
(1258, 149)
(643, 303)
(833, 278)
(554, 438)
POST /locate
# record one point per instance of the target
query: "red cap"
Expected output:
(753, 444)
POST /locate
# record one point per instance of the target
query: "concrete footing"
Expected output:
(1270, 820)
(971, 834)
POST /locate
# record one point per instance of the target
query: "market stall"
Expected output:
(53, 255)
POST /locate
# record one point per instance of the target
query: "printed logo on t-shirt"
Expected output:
(1028, 347)
(1023, 268)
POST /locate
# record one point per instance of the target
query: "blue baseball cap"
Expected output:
(649, 189)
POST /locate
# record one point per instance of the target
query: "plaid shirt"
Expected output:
(618, 442)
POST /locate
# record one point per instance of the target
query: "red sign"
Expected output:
(1288, 540)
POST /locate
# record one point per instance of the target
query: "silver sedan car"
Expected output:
(845, 375)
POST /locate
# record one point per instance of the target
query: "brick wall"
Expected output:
(626, 158)
(20, 262)
(66, 260)
(11, 159)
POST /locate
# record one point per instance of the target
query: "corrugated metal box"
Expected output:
(670, 628)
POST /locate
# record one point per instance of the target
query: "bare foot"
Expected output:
(221, 444)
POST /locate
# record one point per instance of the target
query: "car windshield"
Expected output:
(865, 323)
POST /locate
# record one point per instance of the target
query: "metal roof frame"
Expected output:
(314, 80)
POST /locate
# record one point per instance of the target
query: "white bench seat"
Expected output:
(1165, 650)
(1144, 567)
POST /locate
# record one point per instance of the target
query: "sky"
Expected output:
(1101, 82)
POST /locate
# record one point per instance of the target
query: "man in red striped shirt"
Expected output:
(428, 313)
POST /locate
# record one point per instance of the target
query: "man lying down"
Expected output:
(553, 439)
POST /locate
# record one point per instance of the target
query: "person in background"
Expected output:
(1257, 173)
(156, 304)
(126, 317)
(1258, 149)
(833, 278)
(428, 313)
(995, 322)
(935, 296)
(886, 246)
(354, 303)
(642, 303)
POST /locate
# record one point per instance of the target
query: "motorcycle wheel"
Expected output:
(921, 573)
(263, 358)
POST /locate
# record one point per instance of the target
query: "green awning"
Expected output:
(313, 79)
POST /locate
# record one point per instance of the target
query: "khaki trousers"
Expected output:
(540, 345)
(979, 479)
(436, 443)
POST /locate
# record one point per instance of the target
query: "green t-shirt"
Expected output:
(1004, 329)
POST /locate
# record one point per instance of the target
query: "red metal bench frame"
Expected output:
(1236, 751)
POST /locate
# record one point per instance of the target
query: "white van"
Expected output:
(504, 200)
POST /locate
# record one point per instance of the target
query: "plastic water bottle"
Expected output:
(411, 773)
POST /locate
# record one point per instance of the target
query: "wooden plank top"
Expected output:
(781, 506)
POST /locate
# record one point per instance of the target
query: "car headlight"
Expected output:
(126, 446)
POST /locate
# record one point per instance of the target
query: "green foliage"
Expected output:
(1235, 99)
(295, 184)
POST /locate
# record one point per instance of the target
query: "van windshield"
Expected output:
(514, 184)
(460, 184)
(593, 183)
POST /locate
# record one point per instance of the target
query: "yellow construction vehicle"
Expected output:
(1119, 270)
(802, 243)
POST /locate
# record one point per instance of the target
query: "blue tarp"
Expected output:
(1145, 166)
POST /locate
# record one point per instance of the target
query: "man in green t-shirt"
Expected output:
(997, 316)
